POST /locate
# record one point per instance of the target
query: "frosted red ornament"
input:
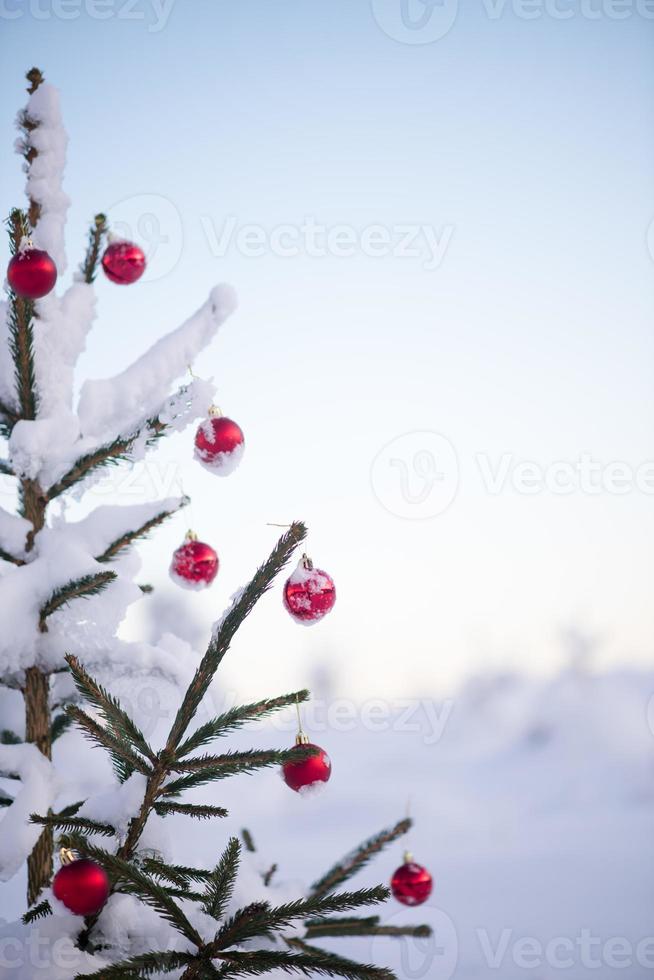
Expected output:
(219, 444)
(82, 885)
(307, 775)
(310, 593)
(411, 884)
(31, 272)
(195, 564)
(123, 262)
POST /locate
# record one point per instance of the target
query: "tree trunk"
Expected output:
(37, 730)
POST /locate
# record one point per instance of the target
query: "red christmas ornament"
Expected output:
(123, 262)
(195, 564)
(309, 594)
(307, 775)
(82, 885)
(219, 444)
(411, 884)
(31, 273)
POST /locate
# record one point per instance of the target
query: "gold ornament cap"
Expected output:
(66, 856)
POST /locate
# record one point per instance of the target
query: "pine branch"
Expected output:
(6, 556)
(224, 632)
(177, 874)
(110, 709)
(8, 737)
(28, 125)
(72, 809)
(74, 825)
(356, 859)
(236, 762)
(124, 758)
(200, 812)
(148, 890)
(248, 840)
(97, 232)
(142, 965)
(21, 333)
(311, 960)
(261, 919)
(60, 725)
(5, 466)
(5, 800)
(362, 927)
(237, 717)
(209, 769)
(220, 885)
(267, 877)
(130, 537)
(81, 588)
(109, 454)
(40, 911)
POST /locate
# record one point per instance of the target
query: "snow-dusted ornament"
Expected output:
(310, 593)
(123, 262)
(307, 776)
(31, 272)
(411, 884)
(219, 443)
(195, 564)
(81, 884)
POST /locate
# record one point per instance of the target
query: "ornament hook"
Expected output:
(301, 738)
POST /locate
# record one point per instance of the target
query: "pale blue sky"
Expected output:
(526, 147)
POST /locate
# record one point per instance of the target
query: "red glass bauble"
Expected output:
(123, 262)
(309, 594)
(307, 774)
(32, 273)
(194, 565)
(219, 445)
(411, 884)
(83, 886)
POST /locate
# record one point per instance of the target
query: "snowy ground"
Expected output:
(534, 808)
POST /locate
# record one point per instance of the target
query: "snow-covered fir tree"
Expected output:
(64, 589)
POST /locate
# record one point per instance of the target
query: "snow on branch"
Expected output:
(108, 530)
(13, 537)
(38, 789)
(123, 403)
(43, 143)
(81, 588)
(64, 324)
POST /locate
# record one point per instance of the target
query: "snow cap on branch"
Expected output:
(122, 403)
(45, 172)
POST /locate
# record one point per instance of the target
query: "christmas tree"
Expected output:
(64, 589)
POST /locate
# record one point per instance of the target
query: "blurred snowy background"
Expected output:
(466, 428)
